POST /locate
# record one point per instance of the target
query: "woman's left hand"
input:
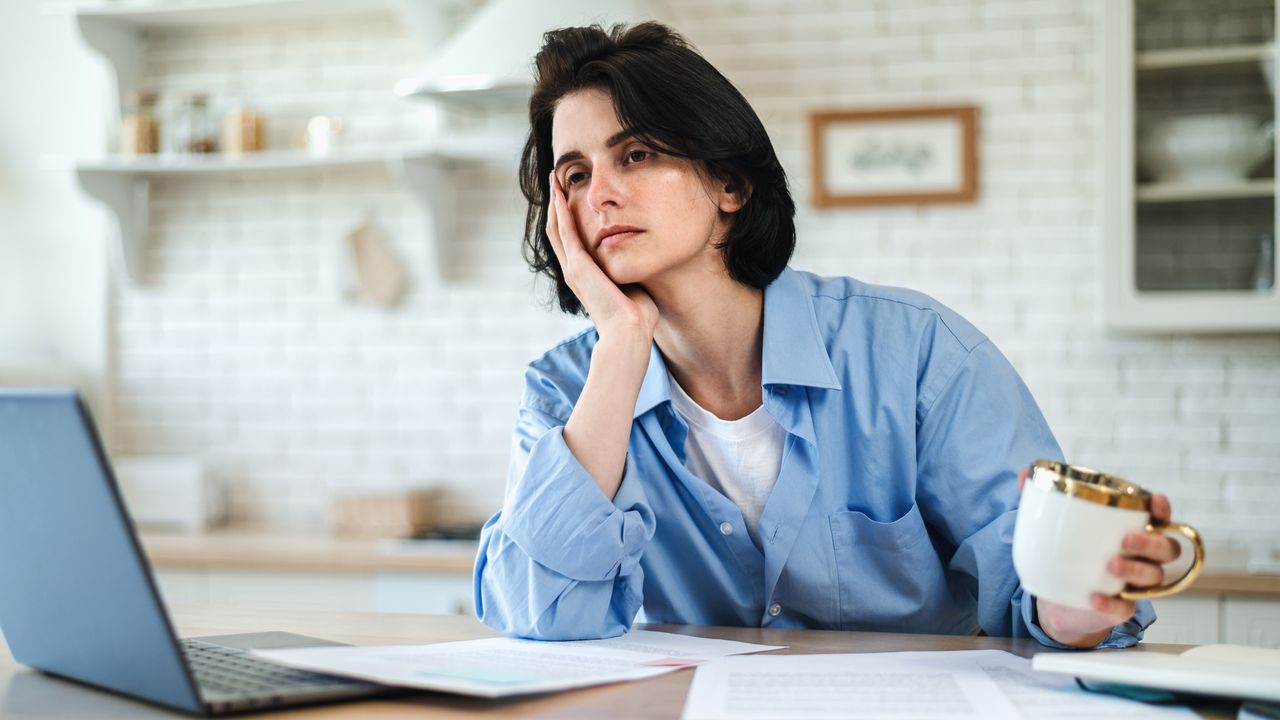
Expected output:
(1139, 566)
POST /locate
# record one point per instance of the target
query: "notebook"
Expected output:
(1234, 671)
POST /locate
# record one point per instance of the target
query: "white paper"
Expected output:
(987, 684)
(497, 667)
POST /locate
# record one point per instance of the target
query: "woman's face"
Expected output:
(671, 212)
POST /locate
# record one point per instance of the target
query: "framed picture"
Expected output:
(898, 156)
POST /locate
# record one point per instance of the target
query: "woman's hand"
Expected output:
(1139, 567)
(612, 308)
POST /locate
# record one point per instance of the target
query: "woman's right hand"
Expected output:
(612, 308)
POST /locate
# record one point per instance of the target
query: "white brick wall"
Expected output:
(241, 350)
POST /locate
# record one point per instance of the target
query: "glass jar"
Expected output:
(243, 130)
(1264, 272)
(139, 131)
(192, 124)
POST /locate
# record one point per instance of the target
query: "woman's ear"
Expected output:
(732, 197)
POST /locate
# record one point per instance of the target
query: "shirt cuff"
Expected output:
(557, 514)
(1126, 634)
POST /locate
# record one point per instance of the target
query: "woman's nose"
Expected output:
(605, 190)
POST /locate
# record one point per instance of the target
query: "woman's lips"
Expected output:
(618, 238)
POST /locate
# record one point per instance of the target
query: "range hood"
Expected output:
(492, 54)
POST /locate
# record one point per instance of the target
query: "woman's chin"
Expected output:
(624, 273)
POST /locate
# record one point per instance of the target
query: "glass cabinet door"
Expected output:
(1192, 208)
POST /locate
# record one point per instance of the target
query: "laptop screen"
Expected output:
(76, 594)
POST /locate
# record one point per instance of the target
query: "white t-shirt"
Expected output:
(740, 458)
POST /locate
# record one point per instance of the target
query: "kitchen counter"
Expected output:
(265, 549)
(1227, 572)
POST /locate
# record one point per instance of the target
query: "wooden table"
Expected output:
(28, 695)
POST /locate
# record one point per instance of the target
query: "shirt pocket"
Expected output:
(888, 576)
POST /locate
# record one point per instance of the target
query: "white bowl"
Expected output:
(1204, 149)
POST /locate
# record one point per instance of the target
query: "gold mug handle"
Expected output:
(1187, 578)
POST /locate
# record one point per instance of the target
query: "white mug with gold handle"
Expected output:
(1071, 521)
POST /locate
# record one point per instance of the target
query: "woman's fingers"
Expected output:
(1161, 510)
(1138, 573)
(1114, 610)
(597, 293)
(553, 222)
(566, 227)
(1151, 546)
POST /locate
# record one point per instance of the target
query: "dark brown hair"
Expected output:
(675, 101)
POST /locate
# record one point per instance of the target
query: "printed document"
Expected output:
(949, 685)
(498, 667)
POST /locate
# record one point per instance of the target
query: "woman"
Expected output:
(735, 442)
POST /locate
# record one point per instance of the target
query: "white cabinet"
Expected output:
(438, 593)
(1188, 238)
(1185, 619)
(1250, 621)
(1196, 619)
(383, 591)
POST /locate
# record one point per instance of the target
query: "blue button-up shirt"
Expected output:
(893, 510)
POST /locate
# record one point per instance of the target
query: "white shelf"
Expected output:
(211, 13)
(123, 184)
(464, 149)
(1203, 57)
(1184, 192)
(1198, 311)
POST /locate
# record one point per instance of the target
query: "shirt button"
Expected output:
(775, 609)
(726, 528)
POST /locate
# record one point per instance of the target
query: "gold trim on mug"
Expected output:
(1088, 484)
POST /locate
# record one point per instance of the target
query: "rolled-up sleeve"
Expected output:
(560, 561)
(1126, 634)
(980, 425)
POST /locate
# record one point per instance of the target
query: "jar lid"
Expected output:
(1088, 484)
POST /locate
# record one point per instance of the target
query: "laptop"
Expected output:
(77, 597)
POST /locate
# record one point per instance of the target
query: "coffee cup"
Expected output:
(1071, 521)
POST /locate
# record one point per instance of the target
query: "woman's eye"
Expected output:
(638, 155)
(574, 178)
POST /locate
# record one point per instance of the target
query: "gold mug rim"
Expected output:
(1090, 485)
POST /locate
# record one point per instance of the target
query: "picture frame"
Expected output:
(894, 156)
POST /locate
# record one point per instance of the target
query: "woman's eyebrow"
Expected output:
(613, 140)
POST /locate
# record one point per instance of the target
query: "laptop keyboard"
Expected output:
(226, 670)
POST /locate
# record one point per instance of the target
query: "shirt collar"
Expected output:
(794, 350)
